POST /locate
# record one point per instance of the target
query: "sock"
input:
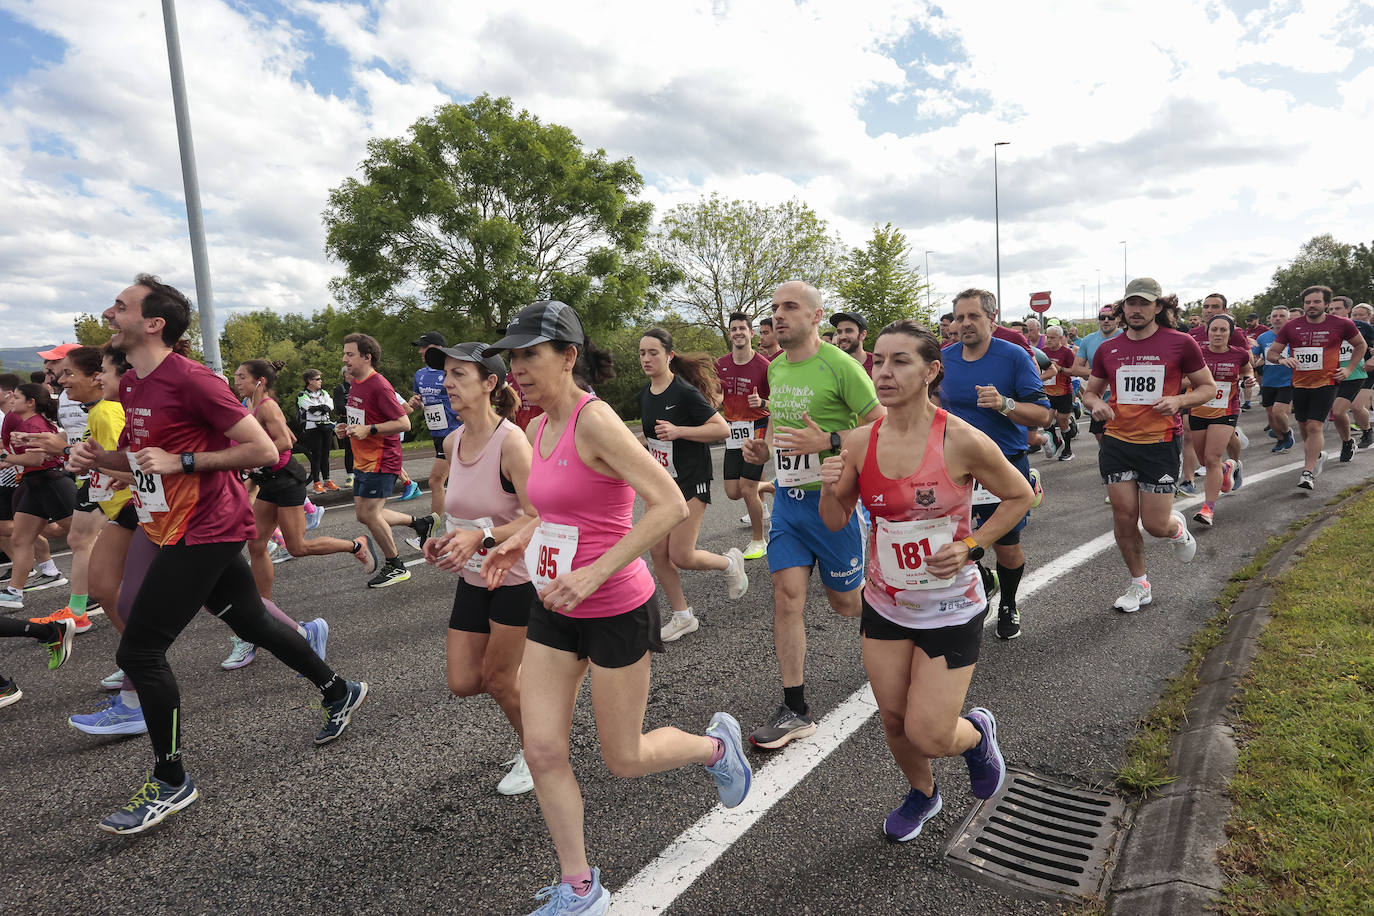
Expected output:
(395, 561)
(795, 698)
(720, 751)
(1140, 580)
(1182, 531)
(78, 604)
(335, 689)
(1210, 504)
(49, 568)
(170, 772)
(14, 591)
(581, 883)
(729, 564)
(130, 699)
(684, 614)
(1009, 580)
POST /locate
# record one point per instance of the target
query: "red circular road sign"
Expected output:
(1040, 302)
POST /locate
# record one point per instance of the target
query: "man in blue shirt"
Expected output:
(1107, 328)
(995, 386)
(440, 417)
(1276, 384)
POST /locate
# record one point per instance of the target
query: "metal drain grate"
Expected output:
(1041, 839)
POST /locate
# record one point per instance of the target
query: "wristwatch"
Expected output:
(488, 540)
(836, 443)
(373, 431)
(975, 550)
(1008, 405)
(188, 462)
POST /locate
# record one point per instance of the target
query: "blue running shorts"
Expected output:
(798, 537)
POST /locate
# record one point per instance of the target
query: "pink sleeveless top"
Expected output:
(475, 493)
(927, 494)
(565, 491)
(282, 457)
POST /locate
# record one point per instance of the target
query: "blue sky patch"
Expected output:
(24, 48)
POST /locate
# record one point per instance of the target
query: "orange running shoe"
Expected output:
(319, 487)
(330, 485)
(83, 623)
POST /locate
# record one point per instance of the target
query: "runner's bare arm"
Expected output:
(1092, 399)
(713, 430)
(840, 479)
(274, 421)
(970, 453)
(1080, 368)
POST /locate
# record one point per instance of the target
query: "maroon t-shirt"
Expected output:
(34, 424)
(370, 401)
(1199, 334)
(736, 383)
(1062, 383)
(1016, 337)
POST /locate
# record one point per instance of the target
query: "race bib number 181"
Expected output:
(904, 548)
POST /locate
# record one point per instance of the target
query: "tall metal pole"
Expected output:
(200, 259)
(1085, 301)
(1099, 287)
(997, 219)
(1124, 281)
(927, 281)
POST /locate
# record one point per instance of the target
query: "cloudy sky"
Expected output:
(1213, 138)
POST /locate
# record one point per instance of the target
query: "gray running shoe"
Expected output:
(784, 727)
(39, 581)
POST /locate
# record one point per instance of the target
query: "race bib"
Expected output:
(740, 432)
(435, 418)
(99, 488)
(982, 496)
(355, 415)
(798, 470)
(904, 548)
(474, 563)
(663, 454)
(1223, 398)
(148, 493)
(1347, 351)
(550, 552)
(1309, 358)
(1139, 384)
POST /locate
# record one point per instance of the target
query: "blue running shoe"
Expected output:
(313, 519)
(905, 822)
(112, 719)
(412, 492)
(338, 714)
(317, 634)
(563, 901)
(1187, 488)
(1289, 441)
(150, 805)
(731, 772)
(986, 769)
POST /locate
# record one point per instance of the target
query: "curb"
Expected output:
(1169, 862)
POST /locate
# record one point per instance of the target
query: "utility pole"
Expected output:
(927, 281)
(997, 218)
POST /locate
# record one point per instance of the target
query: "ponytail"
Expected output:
(698, 369)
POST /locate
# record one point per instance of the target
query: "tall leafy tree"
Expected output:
(729, 255)
(479, 211)
(91, 331)
(1321, 261)
(878, 282)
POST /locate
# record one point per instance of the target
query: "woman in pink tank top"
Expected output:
(484, 504)
(923, 606)
(596, 610)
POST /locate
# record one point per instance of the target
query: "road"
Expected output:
(401, 816)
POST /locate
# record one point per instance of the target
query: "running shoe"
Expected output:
(1187, 488)
(423, 525)
(313, 516)
(11, 597)
(114, 718)
(518, 781)
(1367, 438)
(41, 580)
(1077, 409)
(1347, 450)
(150, 805)
(412, 491)
(1244, 405)
(10, 693)
(906, 820)
(367, 553)
(755, 550)
(338, 714)
(1236, 476)
(1228, 470)
(83, 623)
(1136, 597)
(986, 768)
(388, 575)
(1066, 455)
(348, 480)
(278, 553)
(317, 634)
(731, 772)
(1244, 439)
(1054, 442)
(1185, 545)
(1200, 471)
(785, 726)
(1316, 471)
(1270, 431)
(113, 681)
(564, 901)
(1279, 445)
(1288, 440)
(319, 486)
(241, 654)
(767, 514)
(736, 580)
(1008, 623)
(331, 487)
(1037, 487)
(991, 584)
(61, 650)
(1306, 481)
(679, 625)
(1204, 516)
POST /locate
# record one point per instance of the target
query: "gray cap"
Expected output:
(1145, 287)
(542, 322)
(855, 317)
(478, 353)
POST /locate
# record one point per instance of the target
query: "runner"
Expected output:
(1348, 393)
(597, 609)
(314, 408)
(45, 492)
(995, 387)
(768, 342)
(1365, 399)
(376, 418)
(1107, 328)
(850, 330)
(1276, 383)
(679, 419)
(340, 399)
(743, 378)
(1059, 387)
(948, 333)
(1315, 342)
(440, 420)
(1213, 304)
(1033, 334)
(194, 508)
(484, 504)
(923, 607)
(46, 574)
(1139, 457)
(1213, 423)
(817, 394)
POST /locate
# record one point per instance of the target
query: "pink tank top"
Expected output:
(925, 495)
(475, 495)
(282, 457)
(564, 491)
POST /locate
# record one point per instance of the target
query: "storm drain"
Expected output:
(1041, 839)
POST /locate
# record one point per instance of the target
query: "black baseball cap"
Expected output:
(434, 338)
(542, 322)
(855, 317)
(478, 353)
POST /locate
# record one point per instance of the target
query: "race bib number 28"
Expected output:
(148, 491)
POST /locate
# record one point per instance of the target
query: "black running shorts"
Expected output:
(610, 642)
(1154, 466)
(1269, 395)
(1313, 403)
(958, 644)
(475, 608)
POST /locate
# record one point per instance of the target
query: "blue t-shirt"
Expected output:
(1088, 344)
(1273, 375)
(1007, 367)
(429, 385)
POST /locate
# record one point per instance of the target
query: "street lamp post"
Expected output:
(997, 218)
(1124, 281)
(927, 281)
(1099, 287)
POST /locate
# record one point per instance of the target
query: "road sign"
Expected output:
(1040, 302)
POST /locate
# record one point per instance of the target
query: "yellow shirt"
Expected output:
(104, 423)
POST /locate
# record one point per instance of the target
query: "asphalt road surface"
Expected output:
(402, 816)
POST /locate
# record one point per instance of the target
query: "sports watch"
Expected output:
(1008, 405)
(188, 462)
(975, 550)
(836, 443)
(488, 539)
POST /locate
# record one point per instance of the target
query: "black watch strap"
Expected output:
(836, 442)
(188, 462)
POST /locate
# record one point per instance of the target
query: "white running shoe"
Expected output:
(1136, 597)
(1244, 439)
(767, 514)
(679, 625)
(240, 655)
(518, 781)
(1186, 546)
(736, 580)
(1321, 462)
(113, 681)
(278, 554)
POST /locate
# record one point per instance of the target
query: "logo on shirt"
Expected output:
(925, 498)
(562, 462)
(878, 500)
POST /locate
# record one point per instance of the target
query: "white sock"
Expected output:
(729, 564)
(684, 614)
(129, 698)
(49, 568)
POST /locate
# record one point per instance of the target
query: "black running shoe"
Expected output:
(388, 575)
(1347, 450)
(1008, 623)
(990, 581)
(423, 526)
(1367, 438)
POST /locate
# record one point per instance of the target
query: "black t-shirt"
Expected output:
(682, 405)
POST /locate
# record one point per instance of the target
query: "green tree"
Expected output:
(479, 211)
(91, 330)
(720, 256)
(1321, 261)
(878, 282)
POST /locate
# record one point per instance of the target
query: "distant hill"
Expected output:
(21, 360)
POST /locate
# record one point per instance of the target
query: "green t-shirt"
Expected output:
(831, 388)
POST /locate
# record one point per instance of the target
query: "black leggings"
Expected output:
(182, 578)
(316, 443)
(43, 632)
